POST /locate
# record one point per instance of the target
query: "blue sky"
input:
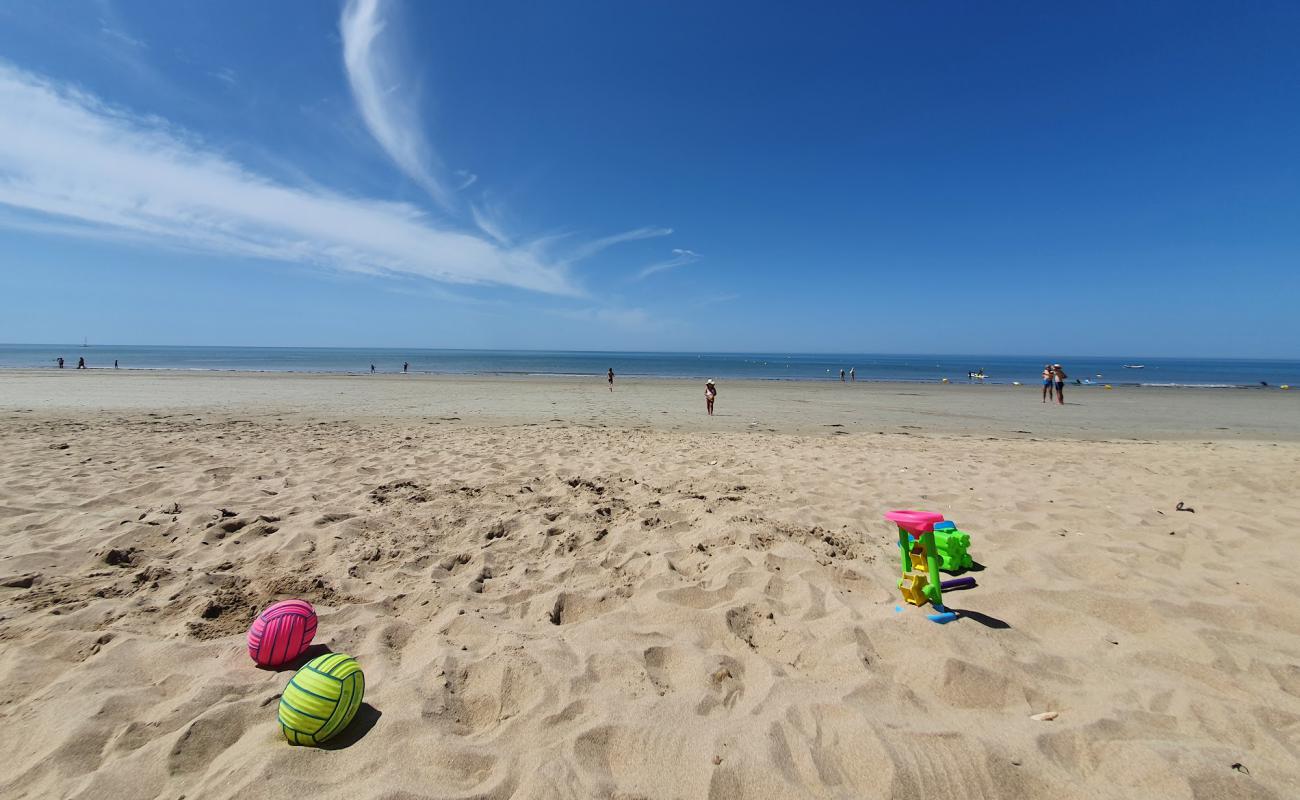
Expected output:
(891, 177)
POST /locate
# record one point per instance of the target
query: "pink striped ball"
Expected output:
(282, 632)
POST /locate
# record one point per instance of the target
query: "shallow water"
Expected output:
(760, 366)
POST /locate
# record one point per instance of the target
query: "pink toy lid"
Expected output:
(914, 521)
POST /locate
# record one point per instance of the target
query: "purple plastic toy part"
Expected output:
(957, 583)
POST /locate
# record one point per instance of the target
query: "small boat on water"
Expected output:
(1135, 366)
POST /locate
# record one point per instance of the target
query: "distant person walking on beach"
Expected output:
(1059, 377)
(405, 367)
(710, 393)
(853, 374)
(841, 375)
(611, 379)
(372, 369)
(1049, 378)
(115, 363)
(60, 360)
(81, 362)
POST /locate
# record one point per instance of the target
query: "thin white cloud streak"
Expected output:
(226, 75)
(597, 245)
(680, 259)
(121, 36)
(376, 72)
(375, 75)
(488, 220)
(467, 179)
(70, 160)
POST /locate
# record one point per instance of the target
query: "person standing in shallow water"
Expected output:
(853, 374)
(405, 366)
(81, 362)
(611, 379)
(60, 360)
(710, 394)
(841, 376)
(372, 369)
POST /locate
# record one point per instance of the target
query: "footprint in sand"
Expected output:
(204, 739)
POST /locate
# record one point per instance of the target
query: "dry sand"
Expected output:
(564, 593)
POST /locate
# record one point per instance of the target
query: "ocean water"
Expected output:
(760, 366)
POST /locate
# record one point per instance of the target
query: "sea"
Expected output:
(957, 368)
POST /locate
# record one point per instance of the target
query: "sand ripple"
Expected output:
(556, 611)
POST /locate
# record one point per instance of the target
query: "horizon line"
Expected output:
(649, 352)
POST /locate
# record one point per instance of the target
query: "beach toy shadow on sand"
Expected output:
(928, 544)
(367, 717)
(314, 651)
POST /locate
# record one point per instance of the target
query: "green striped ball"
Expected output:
(321, 699)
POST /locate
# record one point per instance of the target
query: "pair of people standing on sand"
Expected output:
(710, 390)
(1054, 378)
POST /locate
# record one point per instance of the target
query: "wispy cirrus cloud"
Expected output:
(488, 219)
(589, 249)
(680, 258)
(376, 75)
(226, 75)
(467, 179)
(119, 35)
(71, 163)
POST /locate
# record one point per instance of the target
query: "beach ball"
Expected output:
(321, 699)
(282, 632)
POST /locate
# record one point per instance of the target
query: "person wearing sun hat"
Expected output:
(710, 392)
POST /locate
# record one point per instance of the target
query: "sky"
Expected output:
(1103, 179)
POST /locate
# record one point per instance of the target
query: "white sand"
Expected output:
(560, 609)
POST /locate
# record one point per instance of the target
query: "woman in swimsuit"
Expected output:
(1049, 376)
(710, 392)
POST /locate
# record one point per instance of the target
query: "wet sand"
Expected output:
(775, 406)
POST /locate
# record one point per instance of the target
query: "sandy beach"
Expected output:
(559, 592)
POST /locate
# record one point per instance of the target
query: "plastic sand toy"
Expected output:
(927, 543)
